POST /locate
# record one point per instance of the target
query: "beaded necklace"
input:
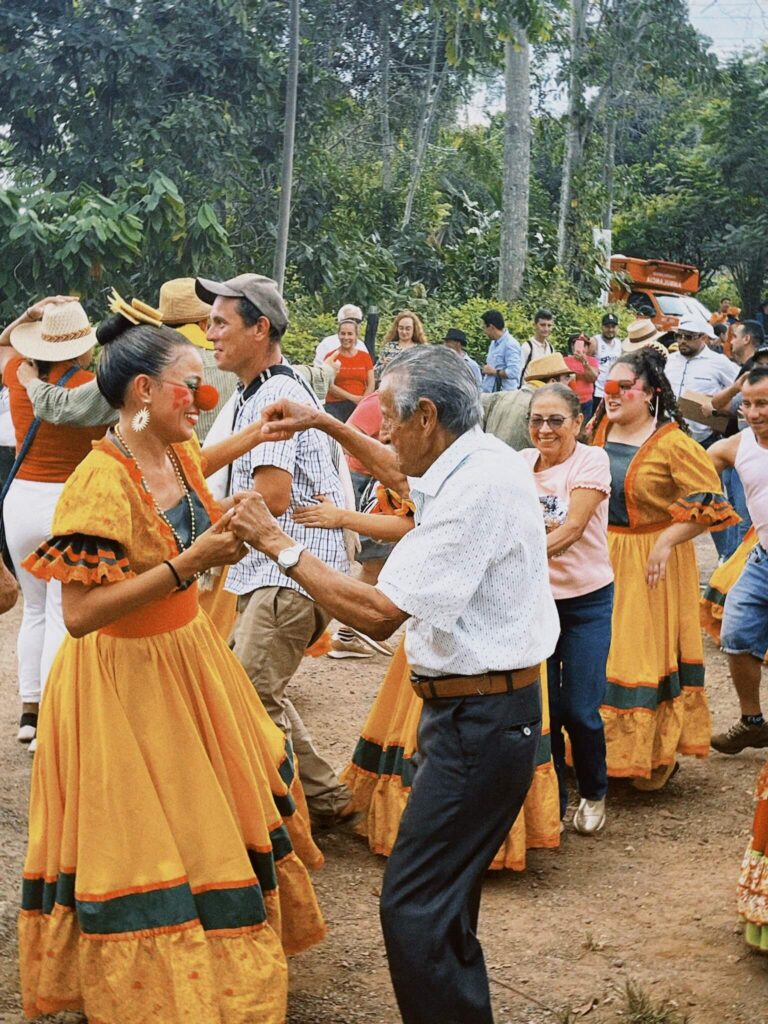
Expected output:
(183, 484)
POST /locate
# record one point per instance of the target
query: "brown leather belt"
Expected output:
(472, 686)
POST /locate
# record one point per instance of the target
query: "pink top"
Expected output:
(366, 417)
(585, 566)
(584, 391)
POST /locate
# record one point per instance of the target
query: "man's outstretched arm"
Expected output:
(79, 407)
(283, 419)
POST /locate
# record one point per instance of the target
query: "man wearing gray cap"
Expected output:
(278, 619)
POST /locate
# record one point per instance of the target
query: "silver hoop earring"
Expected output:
(140, 420)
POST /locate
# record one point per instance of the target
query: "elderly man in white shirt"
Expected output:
(695, 367)
(471, 582)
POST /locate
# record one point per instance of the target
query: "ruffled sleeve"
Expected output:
(78, 558)
(701, 499)
(389, 503)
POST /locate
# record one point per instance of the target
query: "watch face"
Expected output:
(287, 559)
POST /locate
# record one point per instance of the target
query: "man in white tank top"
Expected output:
(606, 348)
(744, 634)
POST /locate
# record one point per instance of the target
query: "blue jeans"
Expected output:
(745, 616)
(475, 762)
(576, 678)
(586, 409)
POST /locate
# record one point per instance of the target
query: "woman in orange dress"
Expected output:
(664, 492)
(165, 876)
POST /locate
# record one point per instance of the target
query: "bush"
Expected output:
(309, 324)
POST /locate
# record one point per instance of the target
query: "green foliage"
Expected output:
(144, 142)
(699, 196)
(82, 242)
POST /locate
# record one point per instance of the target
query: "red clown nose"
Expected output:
(206, 397)
(611, 387)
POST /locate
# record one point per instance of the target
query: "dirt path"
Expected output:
(651, 900)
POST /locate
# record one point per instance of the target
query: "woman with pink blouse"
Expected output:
(573, 482)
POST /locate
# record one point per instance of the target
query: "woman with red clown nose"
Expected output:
(664, 492)
(169, 840)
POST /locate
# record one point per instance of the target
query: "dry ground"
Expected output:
(652, 899)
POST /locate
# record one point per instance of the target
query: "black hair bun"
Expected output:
(111, 328)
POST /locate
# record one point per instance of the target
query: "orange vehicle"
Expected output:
(659, 290)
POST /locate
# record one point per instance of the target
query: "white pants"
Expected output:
(28, 515)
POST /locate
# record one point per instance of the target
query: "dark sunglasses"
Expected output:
(555, 422)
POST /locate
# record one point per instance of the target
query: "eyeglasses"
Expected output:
(555, 422)
(620, 387)
(685, 336)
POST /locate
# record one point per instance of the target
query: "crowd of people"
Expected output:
(186, 522)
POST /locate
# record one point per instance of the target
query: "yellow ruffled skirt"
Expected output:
(219, 604)
(165, 877)
(753, 882)
(381, 773)
(655, 704)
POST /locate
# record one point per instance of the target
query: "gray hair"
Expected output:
(442, 376)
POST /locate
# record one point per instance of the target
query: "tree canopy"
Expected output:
(143, 140)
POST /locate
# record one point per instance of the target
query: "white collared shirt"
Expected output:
(473, 573)
(707, 372)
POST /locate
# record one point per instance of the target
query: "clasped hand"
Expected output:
(283, 419)
(218, 545)
(251, 521)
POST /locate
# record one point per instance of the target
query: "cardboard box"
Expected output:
(690, 405)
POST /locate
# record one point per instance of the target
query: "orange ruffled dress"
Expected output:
(166, 873)
(655, 703)
(381, 773)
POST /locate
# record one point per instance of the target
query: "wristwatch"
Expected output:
(289, 557)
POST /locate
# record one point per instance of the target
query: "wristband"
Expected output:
(172, 567)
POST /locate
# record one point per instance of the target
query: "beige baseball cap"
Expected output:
(261, 291)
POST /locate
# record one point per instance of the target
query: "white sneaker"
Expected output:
(27, 728)
(32, 746)
(590, 816)
(353, 648)
(380, 646)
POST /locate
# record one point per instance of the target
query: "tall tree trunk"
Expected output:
(426, 120)
(574, 136)
(517, 161)
(289, 134)
(386, 132)
(609, 157)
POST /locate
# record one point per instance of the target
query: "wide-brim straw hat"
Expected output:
(547, 366)
(63, 333)
(180, 304)
(639, 334)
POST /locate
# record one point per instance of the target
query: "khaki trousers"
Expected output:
(274, 628)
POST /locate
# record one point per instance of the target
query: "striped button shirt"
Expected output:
(473, 573)
(307, 457)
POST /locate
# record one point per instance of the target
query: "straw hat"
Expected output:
(135, 311)
(642, 333)
(179, 303)
(63, 333)
(547, 366)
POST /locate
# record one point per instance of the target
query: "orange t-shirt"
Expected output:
(353, 375)
(56, 450)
